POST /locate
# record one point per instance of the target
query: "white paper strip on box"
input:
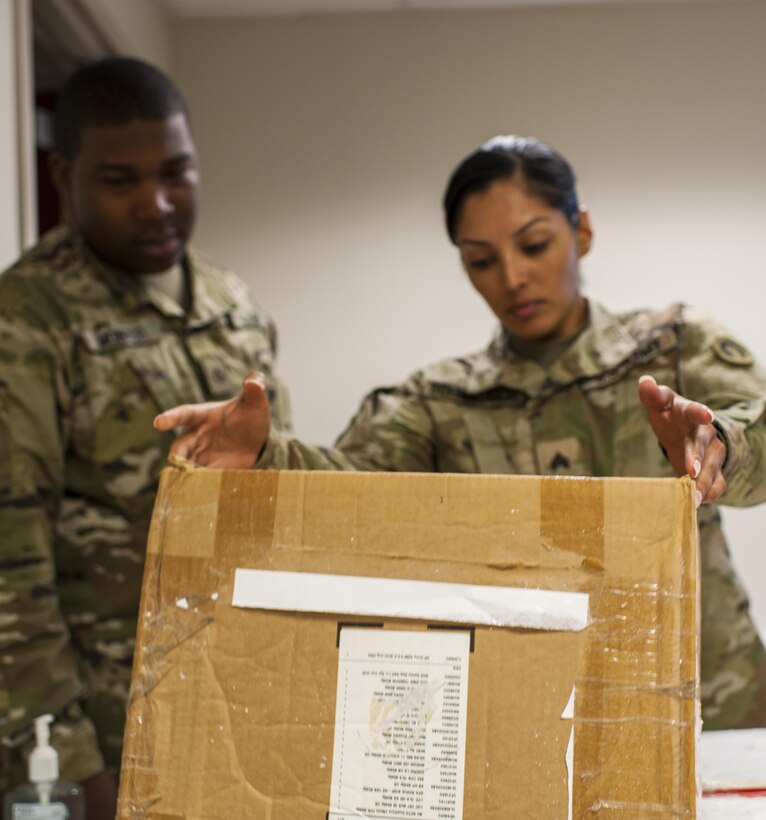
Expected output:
(422, 600)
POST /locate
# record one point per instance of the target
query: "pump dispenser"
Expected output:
(45, 797)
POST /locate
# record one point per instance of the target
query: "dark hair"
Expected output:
(112, 91)
(542, 171)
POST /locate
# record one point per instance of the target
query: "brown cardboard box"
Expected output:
(233, 710)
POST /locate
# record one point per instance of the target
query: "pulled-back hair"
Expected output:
(538, 168)
(112, 91)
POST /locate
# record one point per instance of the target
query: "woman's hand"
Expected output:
(225, 434)
(686, 433)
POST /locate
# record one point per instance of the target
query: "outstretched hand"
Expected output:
(685, 430)
(225, 434)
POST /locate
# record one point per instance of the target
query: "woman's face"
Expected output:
(523, 256)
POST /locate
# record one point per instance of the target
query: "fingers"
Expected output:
(684, 429)
(716, 489)
(704, 456)
(649, 393)
(253, 388)
(697, 413)
(192, 415)
(185, 415)
(710, 483)
(183, 446)
(193, 447)
(660, 398)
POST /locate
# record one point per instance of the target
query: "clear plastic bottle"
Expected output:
(45, 797)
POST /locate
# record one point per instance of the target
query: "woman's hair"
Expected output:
(540, 169)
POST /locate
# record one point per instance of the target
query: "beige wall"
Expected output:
(138, 27)
(326, 143)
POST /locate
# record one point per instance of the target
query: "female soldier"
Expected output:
(565, 388)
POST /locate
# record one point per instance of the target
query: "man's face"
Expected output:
(131, 191)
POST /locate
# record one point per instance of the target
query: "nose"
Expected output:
(154, 201)
(513, 272)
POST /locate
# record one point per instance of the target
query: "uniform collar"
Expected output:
(209, 300)
(603, 344)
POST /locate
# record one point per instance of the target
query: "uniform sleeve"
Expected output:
(39, 672)
(279, 398)
(716, 369)
(392, 431)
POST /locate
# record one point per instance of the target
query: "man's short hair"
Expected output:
(112, 91)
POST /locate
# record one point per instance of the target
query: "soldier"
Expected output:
(107, 320)
(565, 388)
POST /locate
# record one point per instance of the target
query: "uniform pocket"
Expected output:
(489, 449)
(120, 363)
(227, 349)
(124, 377)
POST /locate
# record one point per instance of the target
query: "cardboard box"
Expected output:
(441, 711)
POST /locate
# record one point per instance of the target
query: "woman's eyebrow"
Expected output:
(521, 230)
(529, 224)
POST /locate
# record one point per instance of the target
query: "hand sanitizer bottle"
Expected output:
(45, 797)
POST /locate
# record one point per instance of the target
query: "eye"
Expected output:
(536, 248)
(180, 174)
(116, 183)
(176, 174)
(481, 263)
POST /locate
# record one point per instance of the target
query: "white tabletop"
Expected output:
(733, 759)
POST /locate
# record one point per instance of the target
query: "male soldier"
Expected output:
(107, 320)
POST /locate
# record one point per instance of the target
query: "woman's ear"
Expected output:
(584, 233)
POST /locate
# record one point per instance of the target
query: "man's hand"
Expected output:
(686, 433)
(101, 796)
(226, 434)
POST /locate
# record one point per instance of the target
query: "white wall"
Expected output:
(326, 143)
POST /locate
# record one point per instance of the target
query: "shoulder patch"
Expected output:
(732, 352)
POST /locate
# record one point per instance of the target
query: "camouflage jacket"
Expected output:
(493, 412)
(88, 356)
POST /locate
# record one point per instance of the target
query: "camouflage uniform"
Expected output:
(494, 412)
(88, 356)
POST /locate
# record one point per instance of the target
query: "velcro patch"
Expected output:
(732, 352)
(105, 338)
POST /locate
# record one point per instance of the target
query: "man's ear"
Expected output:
(60, 170)
(584, 233)
(61, 175)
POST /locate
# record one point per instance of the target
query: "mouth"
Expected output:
(159, 245)
(525, 310)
